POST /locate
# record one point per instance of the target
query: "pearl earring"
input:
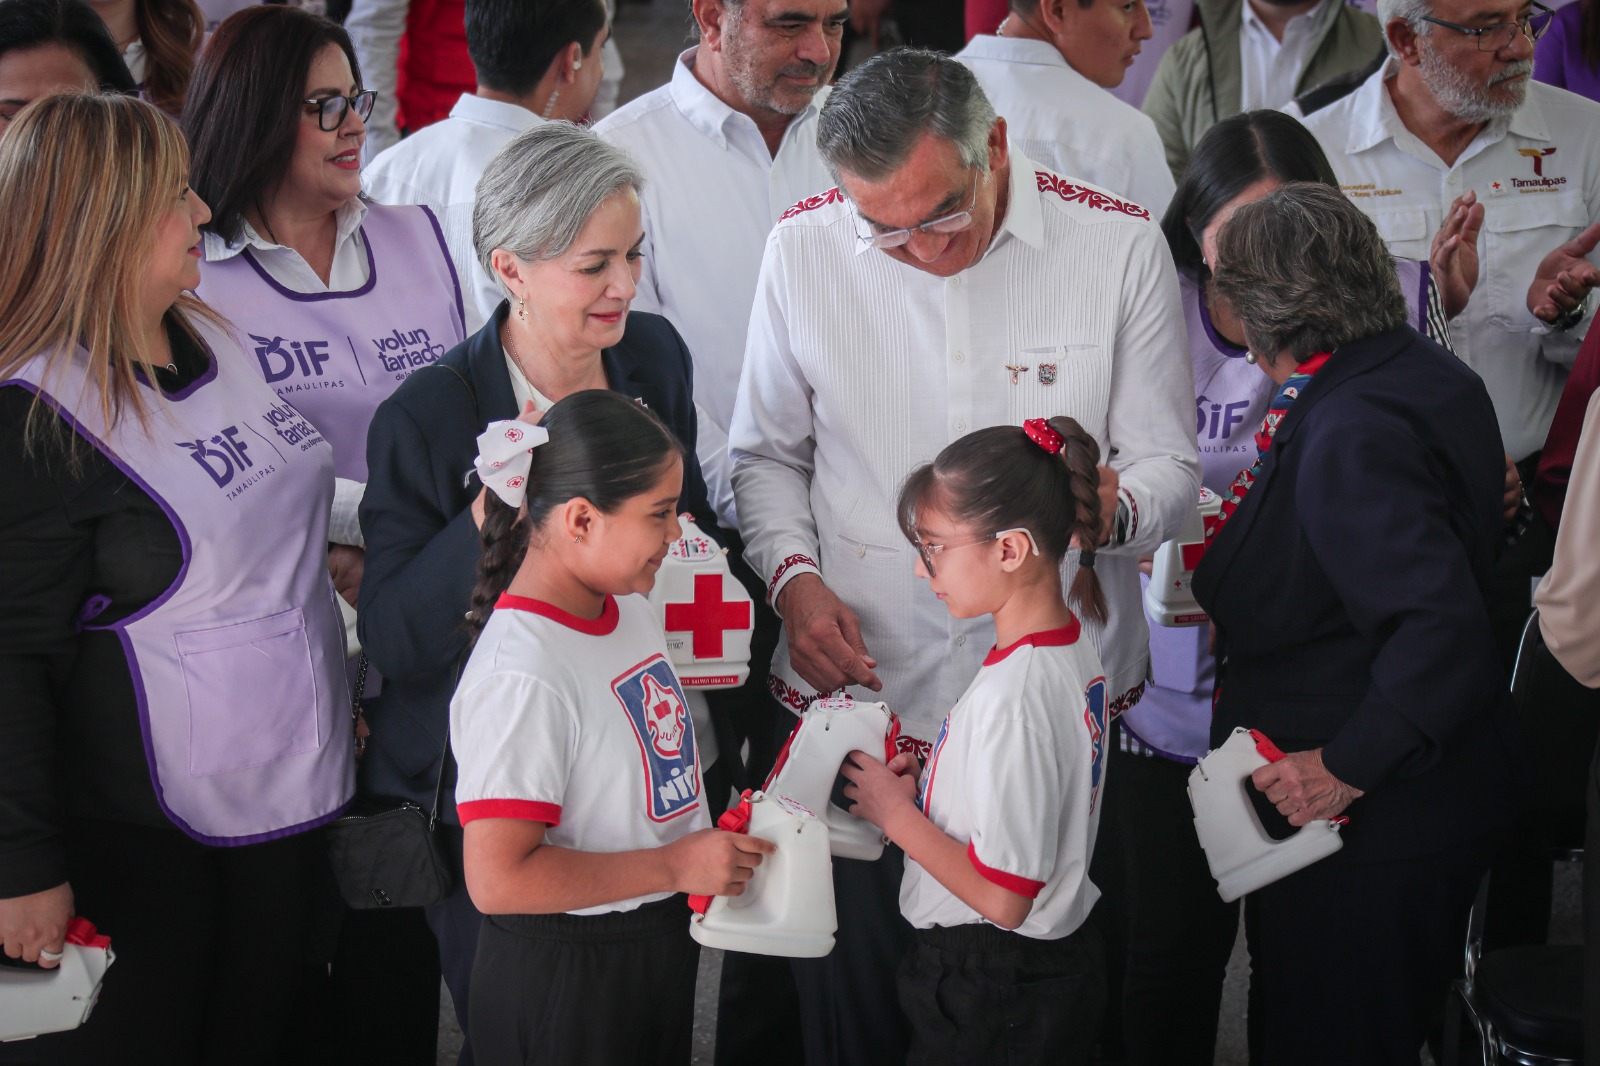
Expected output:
(1250, 357)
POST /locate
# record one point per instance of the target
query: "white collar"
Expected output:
(497, 113)
(704, 110)
(1374, 118)
(1024, 217)
(347, 220)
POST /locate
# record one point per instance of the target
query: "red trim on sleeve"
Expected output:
(594, 627)
(1050, 638)
(784, 567)
(521, 810)
(1010, 882)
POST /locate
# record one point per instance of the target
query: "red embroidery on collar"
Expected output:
(1049, 182)
(811, 203)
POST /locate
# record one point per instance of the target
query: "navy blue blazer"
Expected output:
(1350, 593)
(423, 546)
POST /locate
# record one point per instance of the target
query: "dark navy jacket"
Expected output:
(423, 547)
(1350, 593)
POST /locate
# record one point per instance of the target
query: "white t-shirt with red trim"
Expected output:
(580, 724)
(1016, 773)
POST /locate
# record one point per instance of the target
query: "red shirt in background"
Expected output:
(1549, 491)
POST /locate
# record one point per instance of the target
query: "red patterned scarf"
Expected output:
(1269, 427)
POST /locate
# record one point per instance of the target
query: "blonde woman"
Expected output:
(173, 712)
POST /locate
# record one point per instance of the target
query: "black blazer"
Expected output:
(1350, 593)
(423, 547)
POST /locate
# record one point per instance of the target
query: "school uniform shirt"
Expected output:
(714, 193)
(861, 367)
(1068, 123)
(581, 725)
(439, 166)
(1269, 68)
(1537, 174)
(1016, 774)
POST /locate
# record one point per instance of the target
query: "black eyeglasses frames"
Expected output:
(331, 110)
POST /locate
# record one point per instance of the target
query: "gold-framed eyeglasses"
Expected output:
(928, 551)
(945, 225)
(1503, 34)
(331, 110)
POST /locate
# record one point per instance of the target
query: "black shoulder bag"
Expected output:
(384, 851)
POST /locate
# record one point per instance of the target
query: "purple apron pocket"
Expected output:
(252, 693)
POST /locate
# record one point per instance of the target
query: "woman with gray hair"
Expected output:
(557, 224)
(1349, 585)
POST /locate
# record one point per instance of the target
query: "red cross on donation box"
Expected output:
(707, 616)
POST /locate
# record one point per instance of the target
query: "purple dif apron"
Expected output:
(337, 355)
(1231, 398)
(237, 668)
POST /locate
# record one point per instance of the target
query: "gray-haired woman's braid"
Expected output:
(1081, 453)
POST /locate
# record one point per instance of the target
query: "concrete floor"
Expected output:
(650, 35)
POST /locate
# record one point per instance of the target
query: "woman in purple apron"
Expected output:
(1169, 933)
(339, 300)
(173, 709)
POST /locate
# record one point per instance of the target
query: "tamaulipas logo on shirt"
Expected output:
(650, 695)
(1540, 181)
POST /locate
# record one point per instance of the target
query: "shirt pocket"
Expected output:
(252, 693)
(1515, 237)
(1404, 229)
(1062, 379)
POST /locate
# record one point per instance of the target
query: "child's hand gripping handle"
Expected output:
(735, 819)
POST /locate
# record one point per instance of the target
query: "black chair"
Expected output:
(1526, 1003)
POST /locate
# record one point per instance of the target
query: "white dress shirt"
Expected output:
(860, 368)
(292, 272)
(375, 28)
(1269, 68)
(1537, 175)
(1068, 123)
(712, 194)
(439, 166)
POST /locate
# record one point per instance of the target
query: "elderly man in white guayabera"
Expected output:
(948, 283)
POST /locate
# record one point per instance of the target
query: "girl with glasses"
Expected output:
(999, 831)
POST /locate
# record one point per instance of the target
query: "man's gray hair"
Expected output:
(877, 113)
(1410, 10)
(537, 195)
(1305, 271)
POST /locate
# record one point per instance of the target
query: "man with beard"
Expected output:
(1246, 54)
(1455, 109)
(729, 145)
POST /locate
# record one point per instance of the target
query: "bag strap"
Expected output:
(444, 757)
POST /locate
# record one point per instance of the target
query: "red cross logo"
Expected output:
(708, 617)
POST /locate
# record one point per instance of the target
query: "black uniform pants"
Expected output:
(976, 994)
(586, 990)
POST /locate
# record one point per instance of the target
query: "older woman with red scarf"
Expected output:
(1349, 585)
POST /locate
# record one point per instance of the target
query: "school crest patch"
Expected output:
(654, 703)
